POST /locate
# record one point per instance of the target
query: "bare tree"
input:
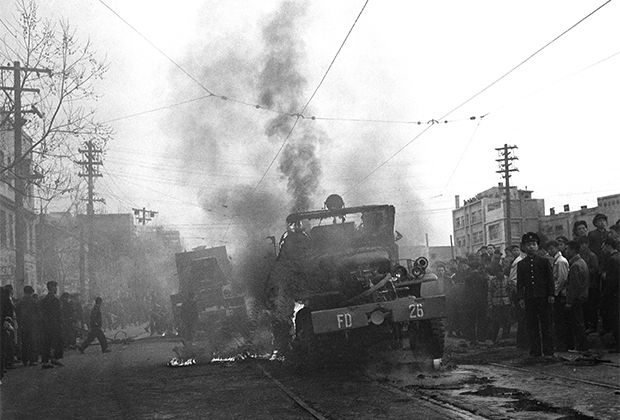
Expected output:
(62, 115)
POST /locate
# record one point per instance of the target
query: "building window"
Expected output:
(467, 219)
(494, 232)
(559, 228)
(2, 228)
(457, 222)
(11, 230)
(477, 236)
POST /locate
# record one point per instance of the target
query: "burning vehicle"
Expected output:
(339, 285)
(206, 272)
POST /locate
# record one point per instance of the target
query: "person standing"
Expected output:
(519, 312)
(611, 295)
(95, 329)
(28, 319)
(189, 316)
(475, 303)
(51, 328)
(499, 301)
(577, 294)
(536, 294)
(598, 235)
(590, 311)
(563, 333)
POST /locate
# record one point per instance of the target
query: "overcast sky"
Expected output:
(205, 165)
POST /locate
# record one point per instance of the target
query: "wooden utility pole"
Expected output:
(147, 215)
(91, 161)
(505, 159)
(21, 170)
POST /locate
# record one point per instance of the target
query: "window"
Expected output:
(494, 232)
(494, 206)
(477, 237)
(11, 230)
(457, 222)
(559, 228)
(2, 228)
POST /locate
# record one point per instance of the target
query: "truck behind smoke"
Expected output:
(207, 272)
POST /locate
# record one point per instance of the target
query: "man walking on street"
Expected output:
(577, 294)
(51, 331)
(95, 329)
(536, 294)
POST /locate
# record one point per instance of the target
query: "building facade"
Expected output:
(561, 224)
(482, 220)
(8, 211)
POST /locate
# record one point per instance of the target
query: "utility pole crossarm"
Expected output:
(506, 157)
(147, 215)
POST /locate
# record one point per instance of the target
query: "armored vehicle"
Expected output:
(338, 285)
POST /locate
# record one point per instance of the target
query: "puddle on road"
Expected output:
(519, 401)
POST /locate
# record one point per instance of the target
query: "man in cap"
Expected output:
(598, 235)
(51, 331)
(536, 294)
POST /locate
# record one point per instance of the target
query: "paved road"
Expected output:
(134, 382)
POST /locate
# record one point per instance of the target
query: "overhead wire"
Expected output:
(477, 94)
(311, 97)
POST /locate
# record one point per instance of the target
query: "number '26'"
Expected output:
(417, 310)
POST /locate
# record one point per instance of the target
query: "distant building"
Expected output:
(7, 210)
(561, 224)
(481, 220)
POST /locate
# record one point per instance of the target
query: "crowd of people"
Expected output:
(40, 330)
(555, 291)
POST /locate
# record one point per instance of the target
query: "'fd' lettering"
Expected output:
(344, 320)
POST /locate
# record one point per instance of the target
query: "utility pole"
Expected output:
(505, 159)
(147, 215)
(91, 161)
(21, 169)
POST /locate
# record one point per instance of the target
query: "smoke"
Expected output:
(283, 85)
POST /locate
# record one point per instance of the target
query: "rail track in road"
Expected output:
(496, 391)
(441, 409)
(615, 387)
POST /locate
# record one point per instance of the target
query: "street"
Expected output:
(134, 381)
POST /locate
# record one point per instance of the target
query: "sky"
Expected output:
(380, 79)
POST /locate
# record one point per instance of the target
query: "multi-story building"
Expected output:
(561, 224)
(8, 209)
(482, 220)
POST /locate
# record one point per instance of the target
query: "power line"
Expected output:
(477, 94)
(334, 59)
(298, 116)
(528, 58)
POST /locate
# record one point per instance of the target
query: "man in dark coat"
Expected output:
(611, 293)
(95, 329)
(577, 294)
(28, 319)
(51, 328)
(536, 294)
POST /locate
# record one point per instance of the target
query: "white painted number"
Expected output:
(344, 320)
(417, 310)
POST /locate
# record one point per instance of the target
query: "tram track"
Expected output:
(555, 375)
(440, 406)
